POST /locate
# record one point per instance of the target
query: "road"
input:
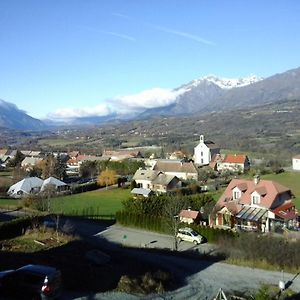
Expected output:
(202, 278)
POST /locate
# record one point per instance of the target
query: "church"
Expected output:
(205, 151)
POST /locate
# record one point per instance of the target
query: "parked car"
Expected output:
(31, 282)
(189, 235)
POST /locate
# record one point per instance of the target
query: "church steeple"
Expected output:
(201, 138)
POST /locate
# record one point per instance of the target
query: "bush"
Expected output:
(17, 227)
(86, 187)
(142, 221)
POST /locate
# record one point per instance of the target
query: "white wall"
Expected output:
(296, 164)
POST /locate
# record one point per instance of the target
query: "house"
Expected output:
(296, 163)
(57, 184)
(178, 168)
(30, 185)
(189, 216)
(73, 154)
(177, 155)
(29, 162)
(155, 181)
(34, 185)
(205, 151)
(164, 183)
(144, 178)
(3, 152)
(234, 163)
(258, 205)
(119, 155)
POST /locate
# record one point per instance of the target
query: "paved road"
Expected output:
(138, 238)
(202, 278)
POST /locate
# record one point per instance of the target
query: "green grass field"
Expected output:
(101, 201)
(57, 142)
(9, 203)
(290, 180)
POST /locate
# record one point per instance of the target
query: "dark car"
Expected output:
(31, 282)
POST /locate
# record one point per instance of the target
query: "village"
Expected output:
(246, 203)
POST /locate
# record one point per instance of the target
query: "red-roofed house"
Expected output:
(189, 216)
(234, 163)
(254, 205)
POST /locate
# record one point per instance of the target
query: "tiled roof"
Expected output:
(175, 166)
(297, 156)
(286, 211)
(211, 145)
(269, 189)
(142, 174)
(189, 214)
(163, 179)
(235, 158)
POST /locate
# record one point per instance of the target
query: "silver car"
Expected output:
(189, 235)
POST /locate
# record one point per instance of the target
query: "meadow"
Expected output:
(104, 202)
(290, 180)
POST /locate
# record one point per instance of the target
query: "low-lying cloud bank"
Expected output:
(129, 104)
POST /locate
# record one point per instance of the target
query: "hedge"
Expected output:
(16, 227)
(212, 234)
(147, 222)
(158, 224)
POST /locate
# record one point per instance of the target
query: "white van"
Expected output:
(189, 235)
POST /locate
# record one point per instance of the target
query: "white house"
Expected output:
(52, 181)
(296, 163)
(204, 152)
(155, 181)
(144, 178)
(34, 185)
(234, 163)
(30, 185)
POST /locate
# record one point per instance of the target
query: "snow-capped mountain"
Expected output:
(211, 93)
(227, 83)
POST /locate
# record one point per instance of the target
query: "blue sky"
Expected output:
(69, 58)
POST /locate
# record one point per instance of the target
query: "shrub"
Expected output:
(17, 227)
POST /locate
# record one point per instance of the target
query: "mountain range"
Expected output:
(204, 95)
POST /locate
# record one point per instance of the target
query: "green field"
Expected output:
(9, 203)
(101, 201)
(58, 142)
(290, 180)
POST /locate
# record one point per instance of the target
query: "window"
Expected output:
(201, 160)
(255, 199)
(236, 195)
(201, 153)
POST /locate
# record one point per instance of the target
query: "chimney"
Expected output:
(256, 179)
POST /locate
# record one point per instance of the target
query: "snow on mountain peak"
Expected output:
(227, 83)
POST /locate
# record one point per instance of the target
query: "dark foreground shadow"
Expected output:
(83, 277)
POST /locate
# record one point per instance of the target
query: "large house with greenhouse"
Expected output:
(255, 205)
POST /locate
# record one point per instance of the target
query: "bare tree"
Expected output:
(172, 209)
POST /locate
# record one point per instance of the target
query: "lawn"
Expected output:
(9, 203)
(58, 142)
(101, 201)
(290, 180)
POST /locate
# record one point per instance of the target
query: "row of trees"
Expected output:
(50, 166)
(90, 169)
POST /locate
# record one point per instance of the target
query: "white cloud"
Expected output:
(119, 35)
(129, 104)
(155, 97)
(183, 34)
(71, 113)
